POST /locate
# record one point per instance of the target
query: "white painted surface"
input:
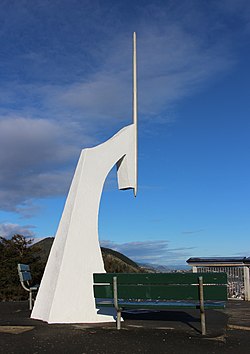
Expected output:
(195, 269)
(66, 291)
(247, 283)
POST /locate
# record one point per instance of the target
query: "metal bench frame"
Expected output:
(188, 293)
(26, 279)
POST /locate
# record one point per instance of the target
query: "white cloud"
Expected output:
(172, 64)
(62, 88)
(191, 232)
(8, 230)
(155, 252)
(35, 156)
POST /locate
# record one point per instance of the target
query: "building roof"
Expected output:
(218, 260)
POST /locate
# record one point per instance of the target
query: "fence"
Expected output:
(237, 271)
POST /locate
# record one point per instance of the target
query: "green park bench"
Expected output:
(161, 291)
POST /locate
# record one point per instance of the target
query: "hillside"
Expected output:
(19, 250)
(114, 262)
(42, 248)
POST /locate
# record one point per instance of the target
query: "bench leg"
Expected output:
(30, 299)
(118, 310)
(202, 308)
(118, 319)
(203, 322)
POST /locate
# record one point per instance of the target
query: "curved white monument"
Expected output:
(66, 291)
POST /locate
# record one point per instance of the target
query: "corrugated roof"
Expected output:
(222, 260)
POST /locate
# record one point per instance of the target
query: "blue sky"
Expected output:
(65, 84)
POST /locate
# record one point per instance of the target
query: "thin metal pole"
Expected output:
(202, 309)
(119, 316)
(118, 319)
(246, 283)
(30, 300)
(135, 111)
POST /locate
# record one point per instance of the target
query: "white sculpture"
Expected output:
(66, 291)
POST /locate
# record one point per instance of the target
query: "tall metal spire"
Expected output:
(135, 109)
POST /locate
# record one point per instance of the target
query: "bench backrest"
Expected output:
(24, 272)
(161, 286)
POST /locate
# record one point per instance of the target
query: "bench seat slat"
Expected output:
(160, 305)
(161, 278)
(25, 276)
(162, 292)
(24, 272)
(23, 267)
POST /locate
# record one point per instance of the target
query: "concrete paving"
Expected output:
(228, 331)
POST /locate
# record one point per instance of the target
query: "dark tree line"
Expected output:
(13, 251)
(18, 249)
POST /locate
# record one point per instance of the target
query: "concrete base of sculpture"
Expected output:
(66, 291)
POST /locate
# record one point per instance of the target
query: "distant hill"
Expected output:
(114, 262)
(42, 248)
(158, 268)
(18, 250)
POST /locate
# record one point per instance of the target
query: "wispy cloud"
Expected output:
(191, 232)
(8, 230)
(172, 64)
(245, 253)
(61, 87)
(155, 252)
(35, 155)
